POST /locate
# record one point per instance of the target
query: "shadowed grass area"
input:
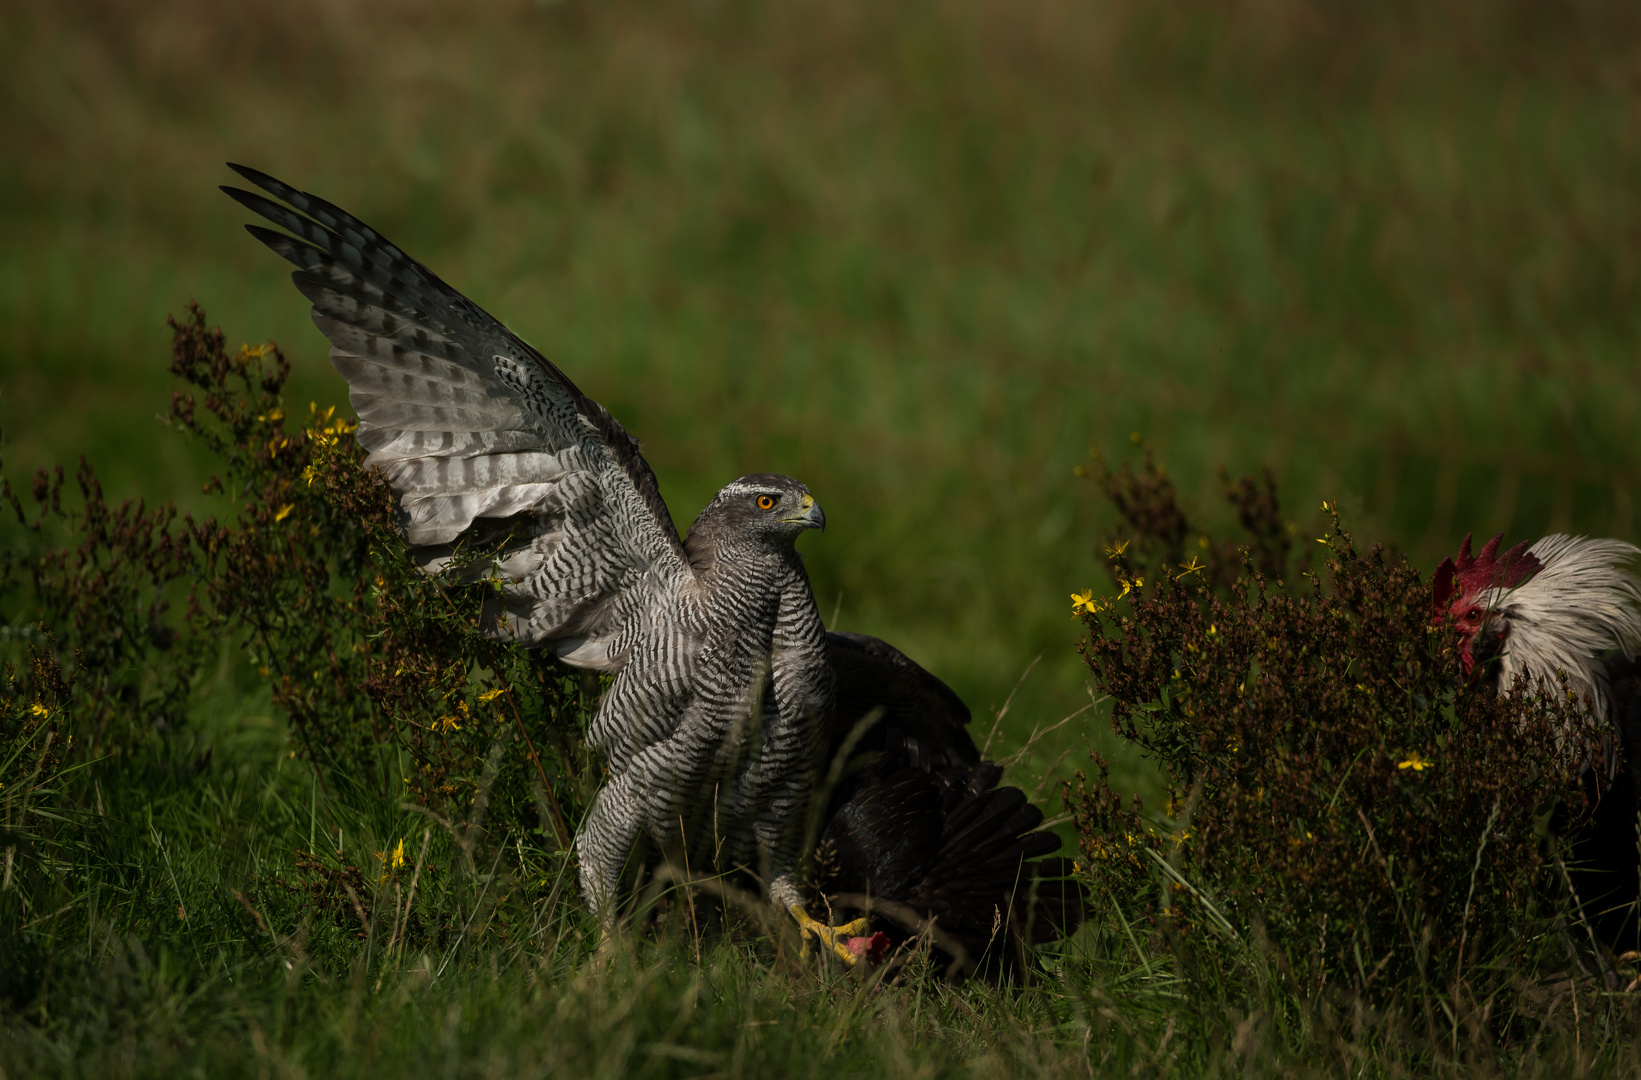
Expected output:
(218, 913)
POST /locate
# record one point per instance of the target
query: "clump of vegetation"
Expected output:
(361, 647)
(121, 617)
(1335, 793)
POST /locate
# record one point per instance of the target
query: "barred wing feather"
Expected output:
(471, 426)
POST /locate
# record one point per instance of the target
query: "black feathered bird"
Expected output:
(918, 834)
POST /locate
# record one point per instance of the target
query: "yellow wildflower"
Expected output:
(490, 695)
(1117, 550)
(1192, 567)
(39, 710)
(399, 855)
(1415, 762)
(1084, 602)
(284, 512)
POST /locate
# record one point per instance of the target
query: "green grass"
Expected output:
(161, 943)
(925, 258)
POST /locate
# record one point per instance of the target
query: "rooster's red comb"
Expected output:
(1487, 569)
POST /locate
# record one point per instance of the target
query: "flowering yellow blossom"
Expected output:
(1117, 550)
(39, 710)
(1414, 762)
(490, 695)
(1084, 602)
(391, 861)
(1130, 586)
(325, 433)
(1189, 568)
(284, 512)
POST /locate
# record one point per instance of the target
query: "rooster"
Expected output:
(1567, 606)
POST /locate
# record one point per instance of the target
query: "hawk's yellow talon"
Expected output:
(833, 938)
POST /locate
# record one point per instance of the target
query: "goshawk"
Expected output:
(728, 693)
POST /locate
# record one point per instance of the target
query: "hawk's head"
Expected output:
(762, 511)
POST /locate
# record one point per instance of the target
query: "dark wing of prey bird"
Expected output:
(918, 831)
(723, 701)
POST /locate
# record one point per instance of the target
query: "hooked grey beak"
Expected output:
(813, 517)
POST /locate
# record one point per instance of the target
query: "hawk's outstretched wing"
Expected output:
(470, 423)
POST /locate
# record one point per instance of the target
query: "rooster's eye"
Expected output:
(766, 502)
(1473, 615)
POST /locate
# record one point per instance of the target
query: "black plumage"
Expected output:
(1606, 861)
(916, 830)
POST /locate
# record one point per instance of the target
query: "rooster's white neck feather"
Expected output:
(1582, 607)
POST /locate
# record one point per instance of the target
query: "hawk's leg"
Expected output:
(604, 843)
(650, 795)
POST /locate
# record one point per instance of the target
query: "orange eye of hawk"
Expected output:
(766, 502)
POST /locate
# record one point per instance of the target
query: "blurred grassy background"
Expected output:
(923, 256)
